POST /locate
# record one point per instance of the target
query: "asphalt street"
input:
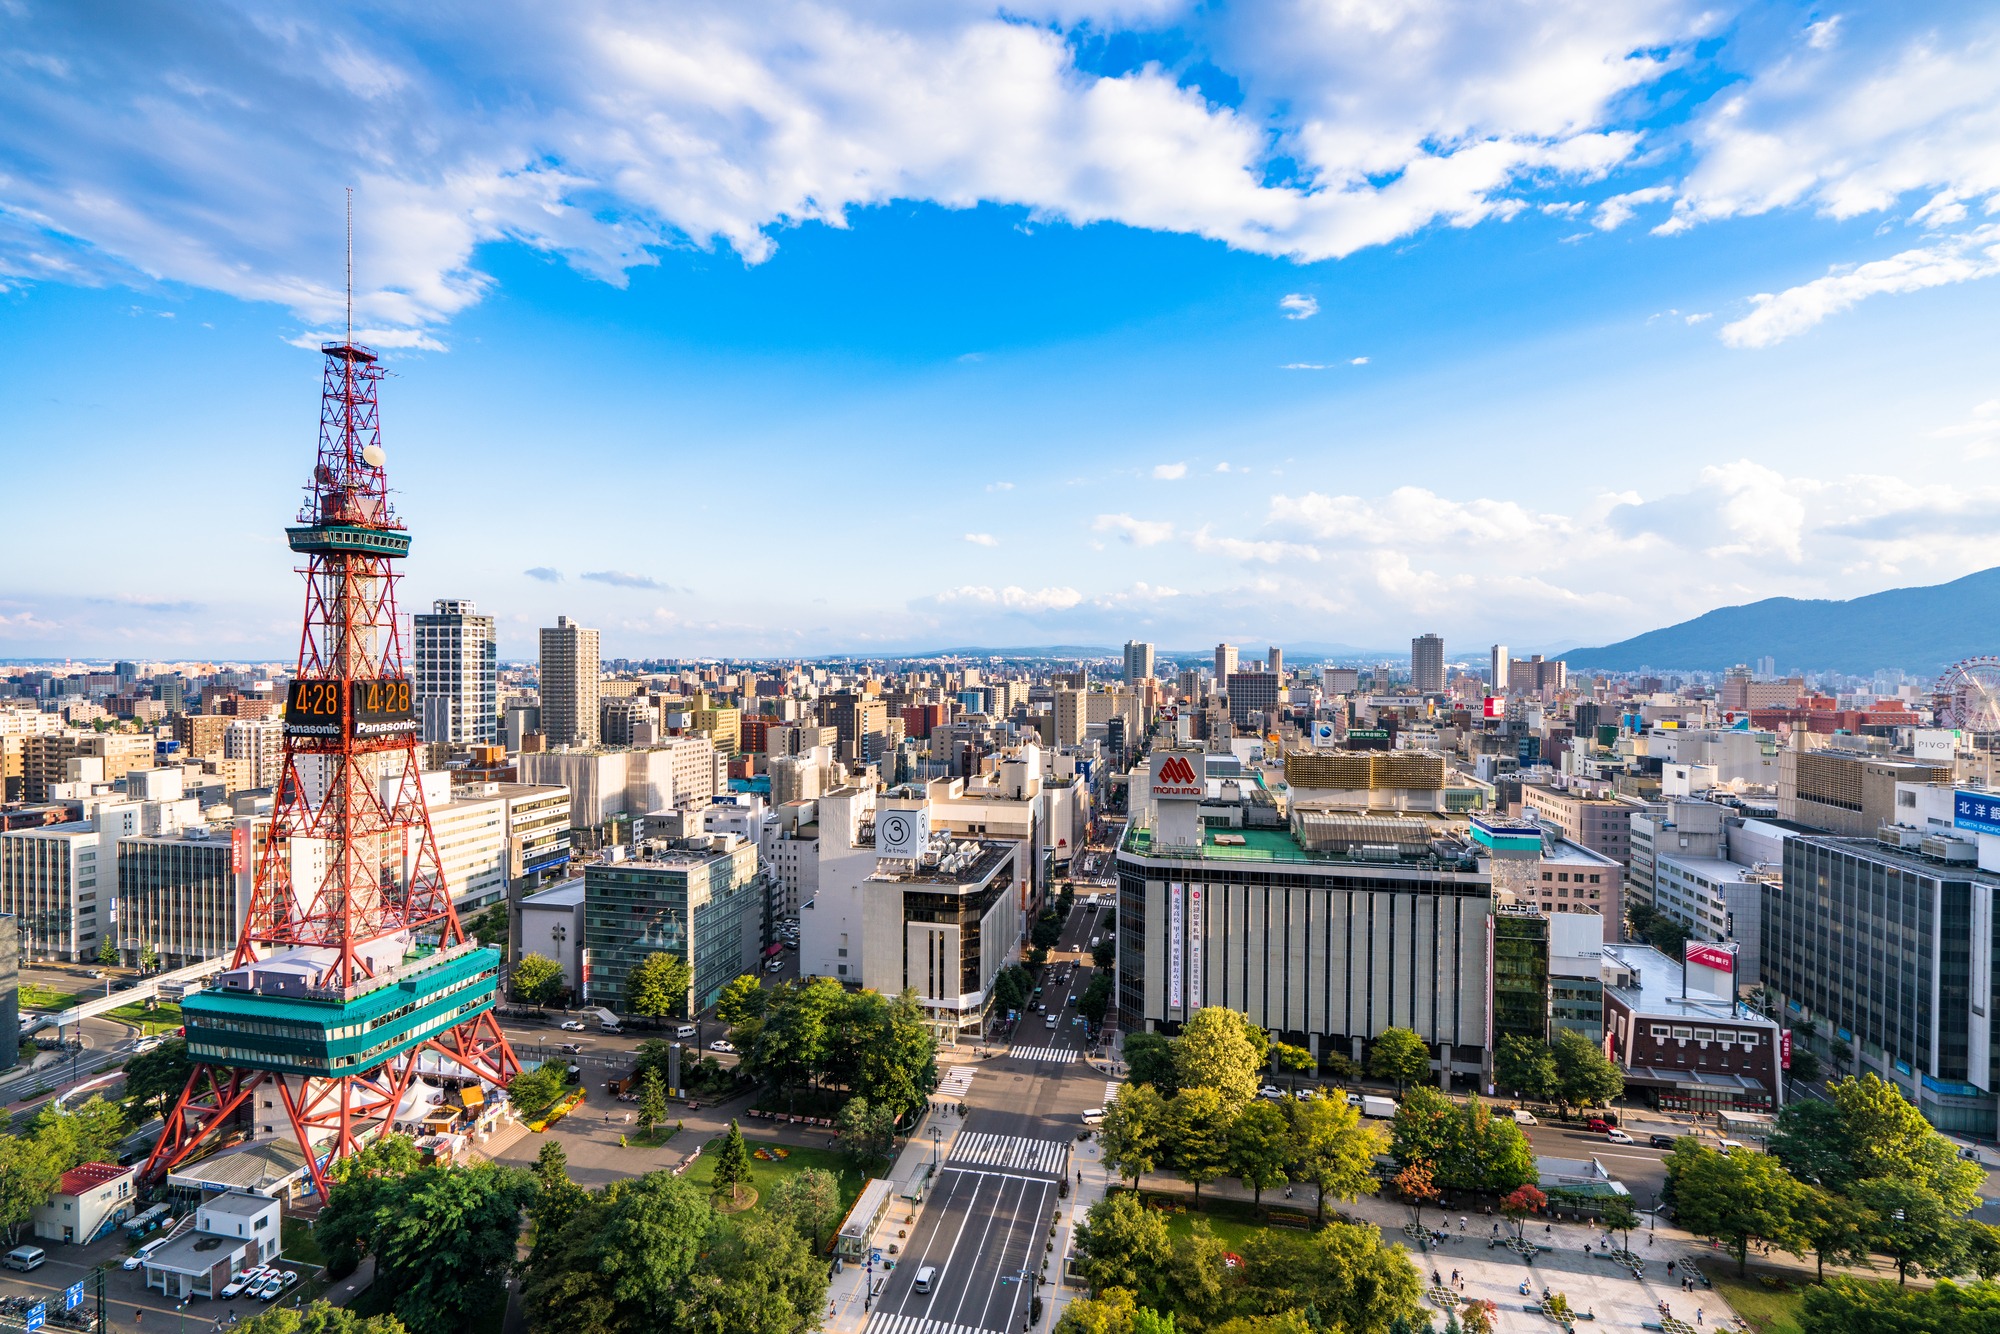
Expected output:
(984, 1227)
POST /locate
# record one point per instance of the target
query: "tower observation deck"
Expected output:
(353, 992)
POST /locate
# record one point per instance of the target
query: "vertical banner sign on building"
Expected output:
(1174, 945)
(1785, 1049)
(239, 849)
(1194, 947)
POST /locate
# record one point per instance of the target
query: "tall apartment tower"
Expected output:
(1225, 663)
(1496, 678)
(1427, 664)
(569, 671)
(1138, 662)
(458, 674)
(1274, 660)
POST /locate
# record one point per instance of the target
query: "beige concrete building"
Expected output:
(570, 667)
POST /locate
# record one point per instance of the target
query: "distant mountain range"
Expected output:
(1921, 630)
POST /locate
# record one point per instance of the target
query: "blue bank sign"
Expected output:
(1977, 811)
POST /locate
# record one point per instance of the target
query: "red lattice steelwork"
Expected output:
(354, 799)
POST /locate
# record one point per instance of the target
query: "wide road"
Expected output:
(984, 1227)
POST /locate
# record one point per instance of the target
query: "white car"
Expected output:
(571, 1025)
(1270, 1091)
(246, 1280)
(138, 1257)
(1617, 1136)
(722, 1044)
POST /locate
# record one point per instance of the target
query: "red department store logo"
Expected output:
(1177, 772)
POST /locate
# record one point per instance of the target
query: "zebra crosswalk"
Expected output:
(884, 1323)
(1053, 1055)
(957, 1081)
(1010, 1151)
(1111, 1087)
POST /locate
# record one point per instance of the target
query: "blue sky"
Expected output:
(817, 328)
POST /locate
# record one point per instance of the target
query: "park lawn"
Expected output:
(764, 1175)
(1769, 1310)
(1231, 1232)
(164, 1015)
(34, 996)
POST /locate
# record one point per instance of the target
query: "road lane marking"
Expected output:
(1012, 1151)
(1055, 1055)
(957, 1081)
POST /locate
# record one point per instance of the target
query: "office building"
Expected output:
(1520, 973)
(1225, 664)
(57, 882)
(1138, 662)
(1496, 671)
(1253, 696)
(1597, 819)
(570, 671)
(551, 924)
(261, 743)
(1888, 950)
(47, 758)
(704, 904)
(612, 788)
(1325, 929)
(1427, 664)
(855, 718)
(1847, 792)
(456, 674)
(1683, 1040)
(943, 924)
(182, 895)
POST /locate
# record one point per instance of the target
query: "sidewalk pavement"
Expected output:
(850, 1293)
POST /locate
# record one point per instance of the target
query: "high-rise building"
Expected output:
(1274, 660)
(569, 677)
(1225, 663)
(1138, 662)
(457, 682)
(1427, 664)
(1496, 674)
(1252, 693)
(261, 741)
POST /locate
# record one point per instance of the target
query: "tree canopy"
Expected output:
(1220, 1049)
(538, 980)
(658, 986)
(1400, 1056)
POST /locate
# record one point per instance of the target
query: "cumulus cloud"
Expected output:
(1246, 549)
(1139, 532)
(1298, 306)
(623, 579)
(1169, 472)
(1950, 259)
(999, 486)
(1618, 210)
(1013, 598)
(982, 539)
(547, 574)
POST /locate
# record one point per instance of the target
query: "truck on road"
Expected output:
(1377, 1107)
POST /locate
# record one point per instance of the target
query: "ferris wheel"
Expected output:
(1969, 693)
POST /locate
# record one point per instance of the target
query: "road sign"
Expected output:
(38, 1314)
(73, 1298)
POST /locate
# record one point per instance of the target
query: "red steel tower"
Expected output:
(353, 992)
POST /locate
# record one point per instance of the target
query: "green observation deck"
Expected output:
(324, 538)
(305, 1035)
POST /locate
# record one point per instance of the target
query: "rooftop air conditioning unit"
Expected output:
(1953, 850)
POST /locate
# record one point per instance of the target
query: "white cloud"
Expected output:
(1139, 532)
(1618, 210)
(1014, 598)
(1305, 366)
(1169, 472)
(1358, 361)
(982, 539)
(1822, 35)
(999, 486)
(1260, 552)
(1950, 259)
(1298, 306)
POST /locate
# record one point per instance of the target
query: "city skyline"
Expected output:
(1563, 361)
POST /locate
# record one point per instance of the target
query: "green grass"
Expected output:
(764, 1175)
(1769, 1310)
(1232, 1232)
(163, 1017)
(298, 1242)
(35, 996)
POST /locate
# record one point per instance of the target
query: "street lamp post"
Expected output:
(937, 1140)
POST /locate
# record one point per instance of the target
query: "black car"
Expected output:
(1662, 1141)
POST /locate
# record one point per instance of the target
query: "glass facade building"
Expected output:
(704, 906)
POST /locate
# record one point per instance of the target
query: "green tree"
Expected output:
(1290, 1060)
(1111, 1311)
(1425, 1130)
(149, 959)
(1333, 1149)
(1132, 1130)
(1149, 1057)
(29, 1175)
(318, 1318)
(1883, 1136)
(155, 1078)
(1491, 1152)
(810, 1198)
(107, 953)
(1585, 1077)
(625, 1261)
(652, 1101)
(791, 1046)
(1121, 1244)
(445, 1242)
(1616, 1214)
(1981, 1243)
(896, 1064)
(538, 980)
(1400, 1056)
(865, 1131)
(743, 998)
(1342, 1277)
(658, 986)
(1834, 1226)
(1527, 1067)
(489, 928)
(557, 1198)
(1047, 931)
(345, 1229)
(1914, 1226)
(1811, 1140)
(1220, 1049)
(732, 1164)
(1096, 999)
(535, 1091)
(1198, 1123)
(85, 1134)
(758, 1277)
(1260, 1147)
(1105, 952)
(1194, 1280)
(1850, 1306)
(1736, 1198)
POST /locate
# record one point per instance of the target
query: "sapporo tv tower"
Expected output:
(353, 996)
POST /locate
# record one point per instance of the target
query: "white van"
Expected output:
(925, 1277)
(25, 1257)
(1522, 1118)
(1093, 1116)
(685, 1031)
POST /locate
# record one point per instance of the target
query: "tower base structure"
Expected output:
(283, 1056)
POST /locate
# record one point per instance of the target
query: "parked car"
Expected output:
(268, 1290)
(1661, 1141)
(245, 1280)
(1306, 1095)
(138, 1257)
(1270, 1091)
(571, 1025)
(722, 1044)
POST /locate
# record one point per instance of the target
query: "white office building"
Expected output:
(457, 680)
